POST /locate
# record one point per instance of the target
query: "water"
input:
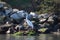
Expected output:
(41, 37)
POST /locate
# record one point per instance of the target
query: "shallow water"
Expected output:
(41, 37)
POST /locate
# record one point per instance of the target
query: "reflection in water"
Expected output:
(41, 37)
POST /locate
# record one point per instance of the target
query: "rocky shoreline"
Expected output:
(20, 22)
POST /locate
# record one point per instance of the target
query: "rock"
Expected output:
(43, 16)
(1, 5)
(3, 30)
(15, 10)
(5, 12)
(8, 32)
(18, 15)
(34, 15)
(50, 19)
(7, 8)
(42, 20)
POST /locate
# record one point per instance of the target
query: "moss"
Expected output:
(17, 33)
(42, 30)
(31, 32)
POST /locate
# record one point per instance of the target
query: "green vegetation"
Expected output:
(46, 6)
(17, 33)
(29, 33)
(18, 3)
(42, 30)
(38, 6)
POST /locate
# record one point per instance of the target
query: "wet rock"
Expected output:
(50, 19)
(5, 11)
(34, 15)
(18, 15)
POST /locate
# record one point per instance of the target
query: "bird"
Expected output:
(30, 24)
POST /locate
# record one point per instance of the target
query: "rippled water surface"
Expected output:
(41, 37)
